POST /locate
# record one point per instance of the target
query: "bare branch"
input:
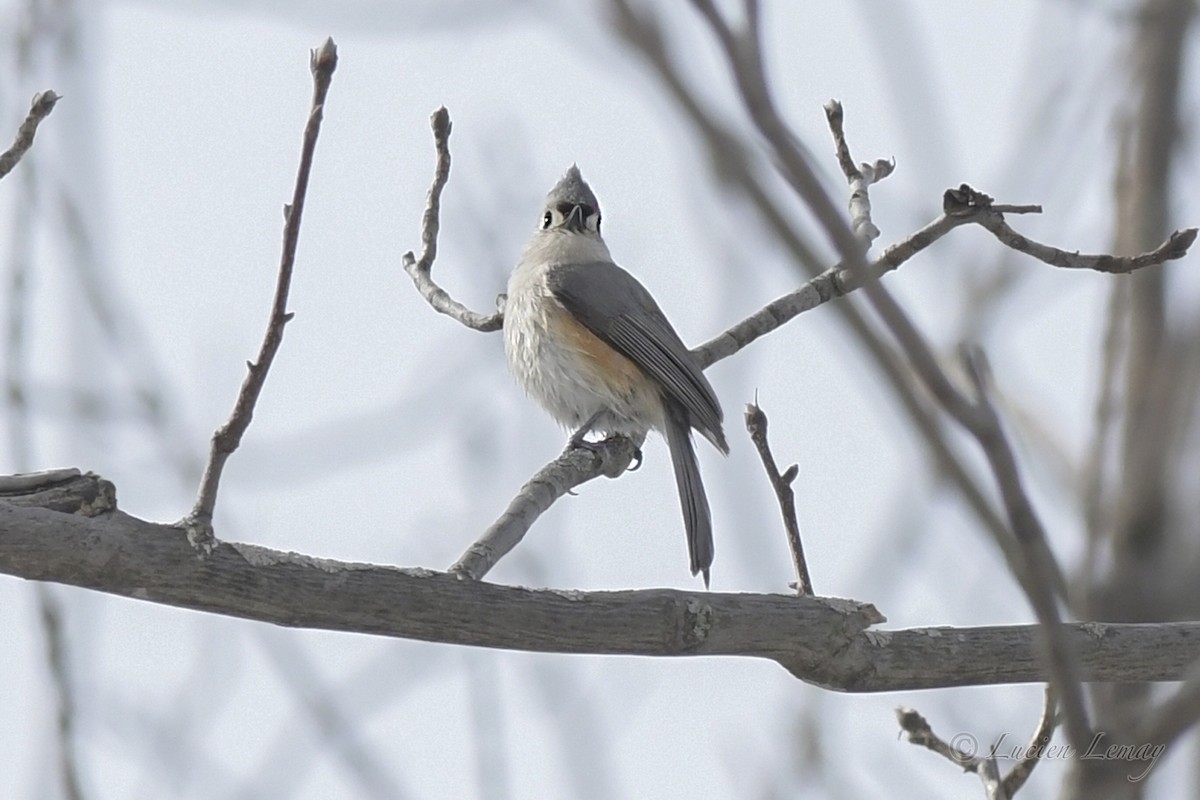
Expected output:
(1036, 748)
(756, 425)
(1096, 482)
(860, 179)
(921, 733)
(825, 641)
(575, 466)
(1175, 247)
(984, 765)
(829, 285)
(968, 206)
(1039, 574)
(743, 52)
(56, 659)
(1027, 552)
(39, 109)
(322, 63)
(431, 220)
(420, 270)
(965, 200)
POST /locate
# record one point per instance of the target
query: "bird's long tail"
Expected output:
(697, 518)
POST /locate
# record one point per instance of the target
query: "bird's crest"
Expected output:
(573, 189)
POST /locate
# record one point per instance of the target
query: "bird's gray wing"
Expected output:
(610, 303)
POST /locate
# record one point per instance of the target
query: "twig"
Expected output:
(39, 109)
(859, 177)
(322, 63)
(756, 426)
(965, 200)
(985, 766)
(420, 269)
(573, 467)
(920, 733)
(1176, 246)
(1036, 748)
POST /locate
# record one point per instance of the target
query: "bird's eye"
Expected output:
(547, 218)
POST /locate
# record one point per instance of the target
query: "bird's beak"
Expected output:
(576, 221)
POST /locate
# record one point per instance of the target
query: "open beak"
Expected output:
(576, 221)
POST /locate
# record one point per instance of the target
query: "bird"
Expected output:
(588, 343)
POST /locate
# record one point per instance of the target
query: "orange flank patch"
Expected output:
(608, 366)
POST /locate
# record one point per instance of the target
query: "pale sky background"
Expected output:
(390, 434)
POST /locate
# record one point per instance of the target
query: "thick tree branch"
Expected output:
(824, 641)
(39, 109)
(322, 63)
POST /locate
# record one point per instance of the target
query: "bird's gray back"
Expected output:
(612, 304)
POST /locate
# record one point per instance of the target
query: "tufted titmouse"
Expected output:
(589, 344)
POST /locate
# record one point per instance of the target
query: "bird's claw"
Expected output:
(578, 442)
(581, 443)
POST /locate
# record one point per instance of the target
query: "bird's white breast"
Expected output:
(547, 364)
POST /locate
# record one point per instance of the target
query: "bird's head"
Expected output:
(571, 207)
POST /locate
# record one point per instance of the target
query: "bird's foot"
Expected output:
(577, 442)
